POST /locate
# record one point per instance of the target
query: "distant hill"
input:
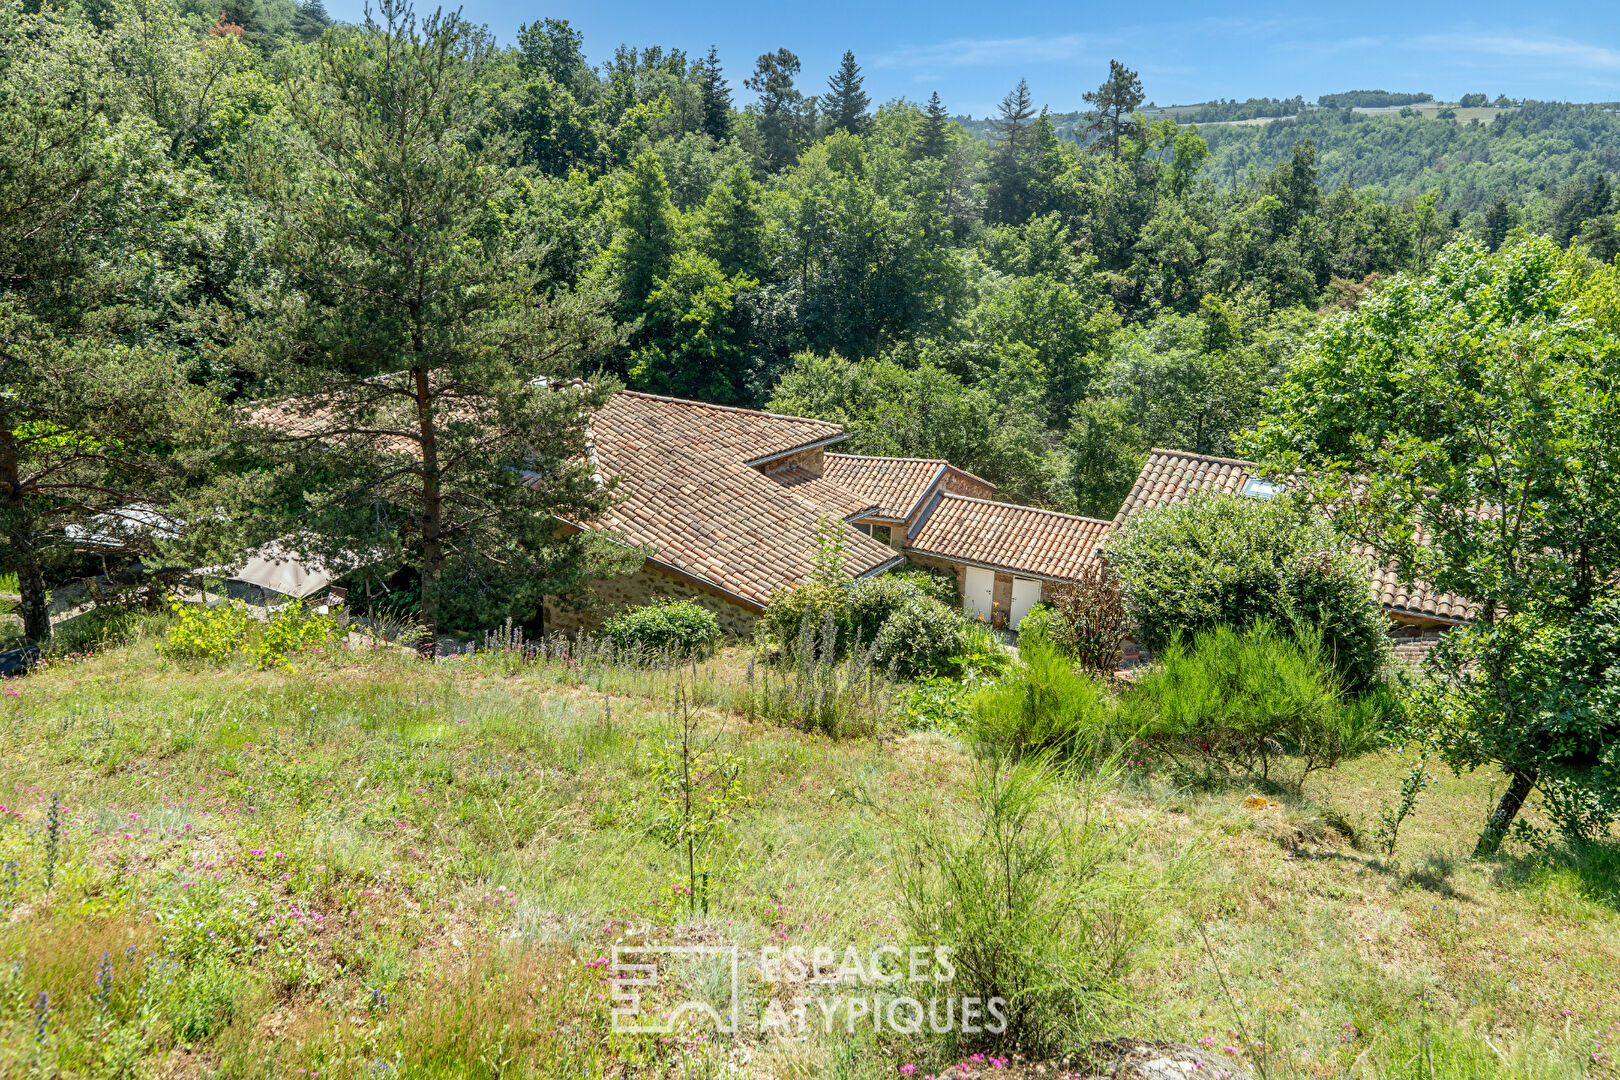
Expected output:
(1472, 155)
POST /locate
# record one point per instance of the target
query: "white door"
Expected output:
(1026, 594)
(976, 596)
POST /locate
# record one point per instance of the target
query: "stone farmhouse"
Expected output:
(728, 502)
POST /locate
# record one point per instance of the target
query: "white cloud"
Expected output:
(992, 52)
(1563, 50)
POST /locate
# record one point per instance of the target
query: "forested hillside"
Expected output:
(220, 205)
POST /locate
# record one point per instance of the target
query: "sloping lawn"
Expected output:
(375, 867)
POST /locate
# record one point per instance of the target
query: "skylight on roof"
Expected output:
(1256, 488)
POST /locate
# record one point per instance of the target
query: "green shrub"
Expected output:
(679, 627)
(1233, 701)
(924, 637)
(207, 633)
(1036, 626)
(934, 584)
(939, 703)
(1029, 891)
(870, 602)
(982, 652)
(788, 609)
(294, 628)
(1228, 560)
(915, 635)
(1044, 706)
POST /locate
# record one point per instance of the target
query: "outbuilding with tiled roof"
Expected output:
(1172, 476)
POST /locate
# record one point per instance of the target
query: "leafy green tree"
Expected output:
(553, 48)
(695, 334)
(1465, 425)
(716, 97)
(191, 89)
(1105, 453)
(731, 226)
(1180, 395)
(1110, 122)
(917, 412)
(421, 365)
(1066, 329)
(783, 123)
(846, 102)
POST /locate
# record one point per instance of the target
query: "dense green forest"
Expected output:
(208, 204)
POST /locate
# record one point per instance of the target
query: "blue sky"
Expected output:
(1186, 52)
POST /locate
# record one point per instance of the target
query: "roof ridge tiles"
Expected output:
(1021, 506)
(1160, 451)
(730, 408)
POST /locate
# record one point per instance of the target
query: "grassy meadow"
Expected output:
(370, 866)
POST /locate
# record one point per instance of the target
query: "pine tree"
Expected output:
(933, 143)
(311, 20)
(1112, 105)
(784, 117)
(846, 104)
(1009, 175)
(1498, 220)
(716, 97)
(426, 358)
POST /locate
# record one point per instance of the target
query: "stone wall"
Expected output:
(814, 460)
(614, 595)
(1413, 641)
(958, 483)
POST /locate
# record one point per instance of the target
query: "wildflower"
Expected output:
(907, 1069)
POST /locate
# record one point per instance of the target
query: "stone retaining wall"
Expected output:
(614, 595)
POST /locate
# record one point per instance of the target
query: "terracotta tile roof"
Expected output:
(1018, 539)
(823, 492)
(896, 485)
(1171, 476)
(687, 492)
(742, 435)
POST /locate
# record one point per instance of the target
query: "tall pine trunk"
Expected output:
(35, 605)
(432, 505)
(1501, 819)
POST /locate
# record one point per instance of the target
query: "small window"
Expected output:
(1256, 488)
(880, 533)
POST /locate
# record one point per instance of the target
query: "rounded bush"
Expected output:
(924, 637)
(789, 608)
(871, 602)
(681, 627)
(1227, 560)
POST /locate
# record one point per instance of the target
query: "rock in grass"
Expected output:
(1134, 1059)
